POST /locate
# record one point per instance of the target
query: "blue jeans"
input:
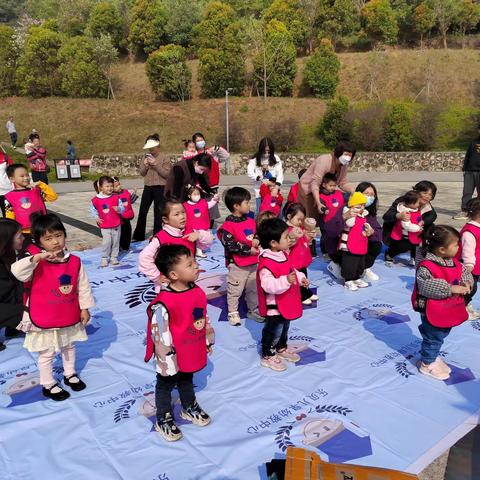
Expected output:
(274, 324)
(258, 202)
(433, 338)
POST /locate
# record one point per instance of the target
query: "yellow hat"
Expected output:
(357, 198)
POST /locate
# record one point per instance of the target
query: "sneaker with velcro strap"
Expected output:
(168, 429)
(195, 415)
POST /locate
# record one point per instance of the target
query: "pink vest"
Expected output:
(293, 193)
(413, 237)
(198, 217)
(447, 312)
(126, 198)
(334, 204)
(166, 238)
(357, 242)
(104, 206)
(25, 202)
(270, 204)
(187, 313)
(300, 253)
(53, 299)
(475, 231)
(288, 303)
(243, 232)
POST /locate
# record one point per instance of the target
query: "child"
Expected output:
(405, 235)
(262, 216)
(190, 149)
(127, 199)
(241, 254)
(172, 232)
(300, 254)
(56, 310)
(271, 197)
(37, 158)
(278, 286)
(440, 287)
(354, 242)
(293, 193)
(469, 251)
(107, 209)
(26, 197)
(198, 217)
(180, 336)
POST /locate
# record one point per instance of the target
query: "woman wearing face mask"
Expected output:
(375, 240)
(337, 163)
(264, 166)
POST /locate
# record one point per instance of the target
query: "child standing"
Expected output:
(279, 300)
(56, 309)
(440, 287)
(271, 197)
(180, 336)
(293, 193)
(127, 199)
(173, 232)
(197, 211)
(107, 210)
(190, 149)
(405, 235)
(27, 197)
(241, 254)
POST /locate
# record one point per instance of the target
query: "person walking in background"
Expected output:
(71, 153)
(12, 131)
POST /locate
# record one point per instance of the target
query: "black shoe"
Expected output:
(168, 429)
(75, 386)
(195, 415)
(58, 396)
(13, 332)
(138, 239)
(2, 346)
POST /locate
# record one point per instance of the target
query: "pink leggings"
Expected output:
(45, 363)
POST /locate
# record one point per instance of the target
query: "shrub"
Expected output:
(457, 126)
(8, 61)
(335, 126)
(426, 125)
(399, 128)
(367, 122)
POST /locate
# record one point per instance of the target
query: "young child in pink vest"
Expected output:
(237, 235)
(198, 216)
(173, 232)
(127, 199)
(279, 299)
(56, 306)
(293, 192)
(179, 335)
(441, 285)
(107, 209)
(271, 196)
(469, 251)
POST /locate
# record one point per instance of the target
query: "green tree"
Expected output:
(8, 61)
(340, 20)
(404, 15)
(322, 71)
(183, 16)
(168, 73)
(424, 20)
(37, 73)
(81, 74)
(399, 134)
(380, 22)
(334, 126)
(106, 56)
(10, 10)
(468, 16)
(445, 13)
(147, 28)
(105, 19)
(249, 8)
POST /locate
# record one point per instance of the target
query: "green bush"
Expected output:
(457, 126)
(334, 126)
(368, 125)
(106, 20)
(168, 73)
(399, 127)
(8, 62)
(380, 22)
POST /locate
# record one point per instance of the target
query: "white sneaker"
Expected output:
(200, 253)
(434, 370)
(370, 276)
(314, 298)
(234, 319)
(351, 285)
(274, 362)
(104, 262)
(361, 283)
(307, 302)
(472, 313)
(411, 262)
(335, 270)
(114, 261)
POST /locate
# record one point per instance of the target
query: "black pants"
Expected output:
(274, 324)
(150, 194)
(469, 297)
(374, 249)
(352, 266)
(471, 181)
(125, 234)
(40, 177)
(401, 246)
(163, 392)
(305, 292)
(14, 138)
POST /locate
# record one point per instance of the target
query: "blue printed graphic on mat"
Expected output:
(24, 389)
(383, 312)
(301, 344)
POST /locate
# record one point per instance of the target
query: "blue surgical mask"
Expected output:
(370, 200)
(200, 144)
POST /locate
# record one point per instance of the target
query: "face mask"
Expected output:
(370, 200)
(344, 159)
(200, 144)
(195, 198)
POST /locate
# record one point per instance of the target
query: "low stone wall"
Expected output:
(127, 164)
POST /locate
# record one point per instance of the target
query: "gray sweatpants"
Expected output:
(240, 279)
(110, 242)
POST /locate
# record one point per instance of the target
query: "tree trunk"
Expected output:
(444, 38)
(264, 76)
(421, 41)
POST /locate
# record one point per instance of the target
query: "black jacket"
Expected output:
(11, 298)
(471, 163)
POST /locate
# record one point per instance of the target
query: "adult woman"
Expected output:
(190, 172)
(155, 168)
(11, 290)
(263, 166)
(336, 162)
(37, 158)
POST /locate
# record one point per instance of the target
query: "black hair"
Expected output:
(269, 230)
(167, 207)
(329, 177)
(103, 179)
(153, 136)
(438, 236)
(191, 188)
(43, 223)
(473, 207)
(115, 178)
(186, 142)
(168, 256)
(361, 187)
(235, 196)
(203, 160)
(410, 197)
(8, 229)
(33, 136)
(291, 209)
(264, 142)
(425, 186)
(301, 172)
(197, 135)
(69, 142)
(343, 147)
(10, 171)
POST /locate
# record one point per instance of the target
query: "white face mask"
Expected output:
(195, 197)
(345, 159)
(200, 144)
(370, 200)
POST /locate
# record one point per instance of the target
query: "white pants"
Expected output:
(45, 362)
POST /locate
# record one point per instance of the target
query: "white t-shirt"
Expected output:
(11, 127)
(254, 172)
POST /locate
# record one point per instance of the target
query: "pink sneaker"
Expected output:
(288, 355)
(442, 365)
(434, 370)
(274, 362)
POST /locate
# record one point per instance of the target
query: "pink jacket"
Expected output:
(146, 259)
(469, 244)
